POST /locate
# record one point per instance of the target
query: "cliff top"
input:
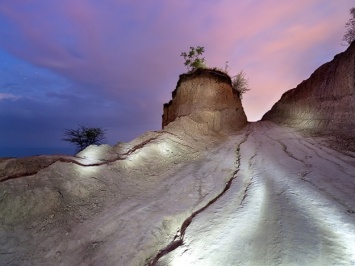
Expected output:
(203, 72)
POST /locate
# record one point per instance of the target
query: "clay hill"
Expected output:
(324, 103)
(208, 189)
(206, 96)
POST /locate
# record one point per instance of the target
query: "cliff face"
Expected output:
(324, 103)
(206, 96)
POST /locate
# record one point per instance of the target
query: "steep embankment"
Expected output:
(324, 103)
(206, 96)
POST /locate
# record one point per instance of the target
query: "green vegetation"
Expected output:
(84, 136)
(349, 35)
(193, 59)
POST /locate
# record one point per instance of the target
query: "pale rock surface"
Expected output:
(263, 196)
(324, 103)
(291, 202)
(112, 205)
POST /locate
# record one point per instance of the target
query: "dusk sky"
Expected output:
(114, 63)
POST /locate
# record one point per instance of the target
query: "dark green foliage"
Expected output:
(84, 136)
(194, 59)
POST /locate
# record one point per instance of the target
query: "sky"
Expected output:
(114, 63)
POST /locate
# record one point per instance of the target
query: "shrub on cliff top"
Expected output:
(349, 35)
(193, 59)
(240, 84)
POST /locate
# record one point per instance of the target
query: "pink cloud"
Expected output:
(5, 96)
(132, 47)
(278, 47)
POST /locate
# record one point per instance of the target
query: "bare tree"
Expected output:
(349, 35)
(84, 136)
(240, 84)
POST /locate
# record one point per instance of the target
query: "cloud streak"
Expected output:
(4, 96)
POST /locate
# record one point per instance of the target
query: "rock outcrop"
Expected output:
(206, 96)
(324, 103)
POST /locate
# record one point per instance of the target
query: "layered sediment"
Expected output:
(206, 96)
(325, 102)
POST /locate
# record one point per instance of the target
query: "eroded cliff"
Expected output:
(206, 96)
(187, 195)
(325, 102)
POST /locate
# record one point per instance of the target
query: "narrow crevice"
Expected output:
(59, 192)
(310, 146)
(245, 194)
(325, 192)
(74, 161)
(179, 237)
(63, 160)
(246, 191)
(175, 141)
(288, 153)
(139, 146)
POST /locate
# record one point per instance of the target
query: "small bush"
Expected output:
(194, 59)
(240, 84)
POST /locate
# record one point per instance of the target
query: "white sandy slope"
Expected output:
(273, 197)
(292, 203)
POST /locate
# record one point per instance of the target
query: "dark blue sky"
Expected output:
(113, 64)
